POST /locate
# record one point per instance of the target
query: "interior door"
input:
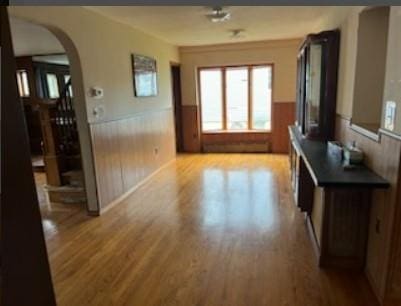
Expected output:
(176, 88)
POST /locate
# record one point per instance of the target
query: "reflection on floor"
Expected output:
(54, 215)
(206, 230)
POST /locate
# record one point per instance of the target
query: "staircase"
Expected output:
(62, 151)
(72, 190)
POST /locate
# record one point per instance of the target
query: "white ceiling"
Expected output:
(60, 59)
(31, 39)
(187, 25)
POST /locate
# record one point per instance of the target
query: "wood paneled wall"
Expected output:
(129, 150)
(191, 128)
(283, 115)
(383, 157)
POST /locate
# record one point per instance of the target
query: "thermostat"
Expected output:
(96, 92)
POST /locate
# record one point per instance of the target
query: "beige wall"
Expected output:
(99, 51)
(392, 86)
(370, 66)
(104, 48)
(346, 19)
(281, 53)
(383, 203)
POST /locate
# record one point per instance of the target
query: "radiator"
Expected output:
(237, 147)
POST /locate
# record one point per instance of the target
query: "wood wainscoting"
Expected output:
(127, 151)
(383, 263)
(191, 128)
(283, 115)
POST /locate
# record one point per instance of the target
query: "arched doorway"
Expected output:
(50, 85)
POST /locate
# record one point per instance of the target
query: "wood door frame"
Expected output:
(177, 106)
(25, 270)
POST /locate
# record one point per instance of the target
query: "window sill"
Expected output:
(237, 132)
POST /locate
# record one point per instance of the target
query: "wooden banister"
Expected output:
(60, 133)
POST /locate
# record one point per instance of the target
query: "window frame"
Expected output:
(23, 91)
(223, 68)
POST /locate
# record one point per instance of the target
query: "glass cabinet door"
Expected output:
(313, 77)
(300, 91)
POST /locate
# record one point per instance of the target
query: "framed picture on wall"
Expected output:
(145, 75)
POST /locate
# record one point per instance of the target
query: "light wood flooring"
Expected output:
(216, 229)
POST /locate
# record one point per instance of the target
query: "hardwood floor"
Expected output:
(55, 215)
(205, 230)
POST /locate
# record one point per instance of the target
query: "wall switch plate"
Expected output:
(389, 117)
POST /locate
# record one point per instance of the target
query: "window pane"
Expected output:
(211, 99)
(261, 98)
(237, 98)
(52, 85)
(23, 85)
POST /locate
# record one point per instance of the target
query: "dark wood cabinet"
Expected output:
(336, 202)
(317, 85)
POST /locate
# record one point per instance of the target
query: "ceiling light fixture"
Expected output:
(218, 15)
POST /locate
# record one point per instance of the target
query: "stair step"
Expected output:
(73, 161)
(66, 194)
(74, 178)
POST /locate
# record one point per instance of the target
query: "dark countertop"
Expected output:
(327, 170)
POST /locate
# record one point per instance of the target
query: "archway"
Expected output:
(51, 84)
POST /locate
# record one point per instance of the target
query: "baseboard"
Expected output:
(133, 189)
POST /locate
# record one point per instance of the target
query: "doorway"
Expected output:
(47, 95)
(177, 104)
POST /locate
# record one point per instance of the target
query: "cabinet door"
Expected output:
(305, 188)
(313, 89)
(301, 89)
(294, 167)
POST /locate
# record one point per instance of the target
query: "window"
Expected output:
(212, 99)
(236, 98)
(23, 85)
(261, 97)
(52, 86)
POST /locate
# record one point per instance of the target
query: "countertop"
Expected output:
(327, 169)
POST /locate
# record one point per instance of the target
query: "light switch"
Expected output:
(389, 120)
